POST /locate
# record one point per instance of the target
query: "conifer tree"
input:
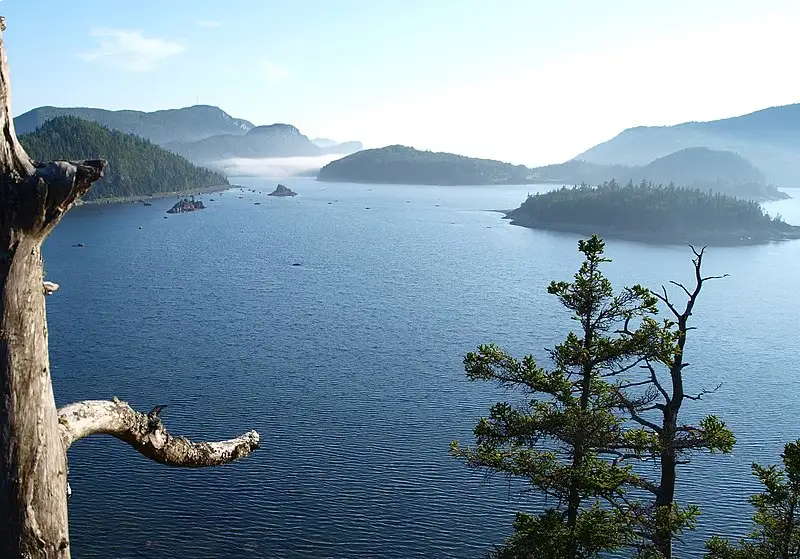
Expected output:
(569, 439)
(777, 517)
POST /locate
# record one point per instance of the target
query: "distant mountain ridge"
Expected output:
(702, 168)
(160, 127)
(201, 133)
(274, 140)
(769, 138)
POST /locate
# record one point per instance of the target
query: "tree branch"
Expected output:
(665, 299)
(147, 434)
(702, 393)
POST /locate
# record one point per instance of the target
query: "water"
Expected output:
(349, 365)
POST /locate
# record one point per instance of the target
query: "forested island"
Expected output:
(137, 167)
(404, 165)
(652, 213)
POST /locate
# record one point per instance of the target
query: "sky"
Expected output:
(525, 81)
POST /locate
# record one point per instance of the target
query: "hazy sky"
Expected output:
(528, 81)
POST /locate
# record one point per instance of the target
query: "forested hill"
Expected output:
(136, 166)
(652, 213)
(405, 165)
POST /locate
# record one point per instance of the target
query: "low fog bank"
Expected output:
(274, 167)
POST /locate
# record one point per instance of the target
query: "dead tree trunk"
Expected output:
(34, 436)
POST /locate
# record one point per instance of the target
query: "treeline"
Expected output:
(137, 167)
(404, 165)
(657, 211)
(610, 398)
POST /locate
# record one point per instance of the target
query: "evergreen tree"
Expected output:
(568, 440)
(777, 517)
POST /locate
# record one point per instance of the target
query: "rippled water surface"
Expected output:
(349, 365)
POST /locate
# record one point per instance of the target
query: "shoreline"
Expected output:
(156, 196)
(718, 239)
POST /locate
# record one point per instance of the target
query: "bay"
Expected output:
(350, 364)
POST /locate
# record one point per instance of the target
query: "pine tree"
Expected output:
(777, 518)
(569, 438)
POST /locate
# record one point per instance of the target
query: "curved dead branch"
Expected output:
(147, 434)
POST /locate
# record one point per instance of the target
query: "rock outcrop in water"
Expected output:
(186, 205)
(281, 190)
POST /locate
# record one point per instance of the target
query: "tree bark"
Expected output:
(147, 434)
(33, 444)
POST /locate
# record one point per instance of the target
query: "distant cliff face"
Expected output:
(160, 127)
(769, 139)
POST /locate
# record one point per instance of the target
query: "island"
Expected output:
(654, 214)
(281, 190)
(186, 205)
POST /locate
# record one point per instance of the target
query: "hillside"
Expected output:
(160, 127)
(703, 168)
(767, 138)
(652, 213)
(275, 140)
(137, 167)
(405, 165)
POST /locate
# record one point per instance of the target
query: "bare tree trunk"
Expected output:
(665, 497)
(33, 442)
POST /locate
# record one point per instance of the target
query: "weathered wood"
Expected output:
(147, 434)
(33, 444)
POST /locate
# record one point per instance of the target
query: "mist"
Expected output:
(274, 167)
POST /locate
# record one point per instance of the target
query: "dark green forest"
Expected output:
(137, 167)
(654, 213)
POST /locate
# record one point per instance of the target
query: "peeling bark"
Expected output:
(147, 434)
(33, 444)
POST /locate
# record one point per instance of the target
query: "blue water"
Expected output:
(349, 365)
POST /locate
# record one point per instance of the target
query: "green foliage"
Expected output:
(136, 166)
(777, 514)
(546, 536)
(648, 211)
(568, 437)
(405, 165)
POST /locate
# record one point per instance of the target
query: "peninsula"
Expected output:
(652, 214)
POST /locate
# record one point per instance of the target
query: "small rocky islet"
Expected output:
(282, 190)
(186, 205)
